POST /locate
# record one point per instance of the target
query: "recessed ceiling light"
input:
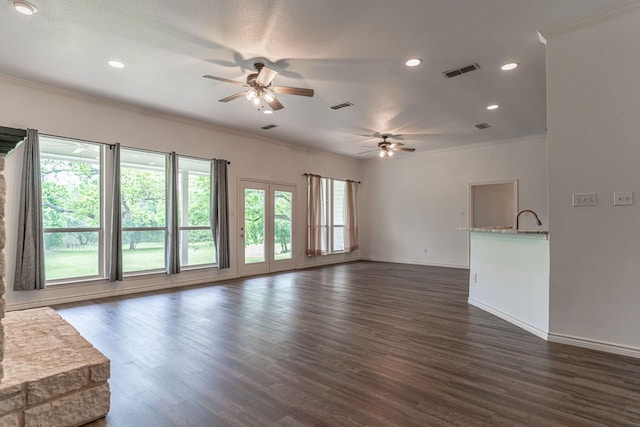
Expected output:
(509, 66)
(116, 64)
(24, 7)
(268, 111)
(413, 62)
(493, 107)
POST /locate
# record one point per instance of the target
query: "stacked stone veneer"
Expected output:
(49, 374)
(53, 376)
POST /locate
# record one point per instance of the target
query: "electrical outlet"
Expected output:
(584, 199)
(425, 251)
(622, 198)
(475, 277)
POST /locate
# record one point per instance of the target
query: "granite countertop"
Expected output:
(503, 230)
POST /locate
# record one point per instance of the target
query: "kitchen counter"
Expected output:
(509, 275)
(503, 230)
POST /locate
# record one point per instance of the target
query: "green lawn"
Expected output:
(68, 263)
(83, 262)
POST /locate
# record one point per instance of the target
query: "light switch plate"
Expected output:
(622, 198)
(584, 199)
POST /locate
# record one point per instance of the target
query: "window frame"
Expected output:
(105, 208)
(100, 229)
(165, 229)
(329, 214)
(184, 185)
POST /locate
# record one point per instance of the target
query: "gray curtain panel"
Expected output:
(29, 274)
(220, 211)
(173, 235)
(115, 258)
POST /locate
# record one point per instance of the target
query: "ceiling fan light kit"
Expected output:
(261, 90)
(387, 149)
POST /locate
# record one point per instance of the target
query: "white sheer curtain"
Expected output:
(316, 221)
(351, 240)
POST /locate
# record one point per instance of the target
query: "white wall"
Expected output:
(63, 113)
(593, 95)
(416, 201)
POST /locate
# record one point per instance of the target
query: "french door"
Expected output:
(265, 224)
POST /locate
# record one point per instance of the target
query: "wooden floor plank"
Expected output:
(354, 344)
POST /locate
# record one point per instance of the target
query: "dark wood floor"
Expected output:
(354, 344)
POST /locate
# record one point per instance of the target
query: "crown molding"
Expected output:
(157, 114)
(598, 17)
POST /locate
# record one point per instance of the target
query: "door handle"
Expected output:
(242, 235)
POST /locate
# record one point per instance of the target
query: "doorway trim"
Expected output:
(270, 265)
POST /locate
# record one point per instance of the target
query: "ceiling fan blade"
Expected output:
(396, 144)
(411, 150)
(368, 151)
(286, 90)
(266, 76)
(221, 79)
(275, 104)
(234, 96)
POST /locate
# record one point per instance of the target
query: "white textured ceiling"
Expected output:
(347, 50)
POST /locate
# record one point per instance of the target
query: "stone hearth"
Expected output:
(52, 376)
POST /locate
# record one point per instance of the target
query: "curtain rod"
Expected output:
(124, 146)
(358, 182)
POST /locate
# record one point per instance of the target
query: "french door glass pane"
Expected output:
(71, 254)
(143, 250)
(254, 226)
(282, 224)
(196, 247)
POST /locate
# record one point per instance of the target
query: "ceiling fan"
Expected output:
(260, 88)
(388, 148)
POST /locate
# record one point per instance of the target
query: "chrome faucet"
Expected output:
(523, 211)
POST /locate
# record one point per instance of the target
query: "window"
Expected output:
(143, 186)
(337, 217)
(71, 177)
(194, 212)
(77, 204)
(332, 219)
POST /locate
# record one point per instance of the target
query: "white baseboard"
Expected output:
(55, 300)
(595, 345)
(45, 300)
(329, 261)
(410, 261)
(513, 320)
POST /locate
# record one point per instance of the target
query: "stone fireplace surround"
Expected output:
(49, 374)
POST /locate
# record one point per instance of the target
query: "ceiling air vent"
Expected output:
(462, 70)
(267, 127)
(483, 125)
(343, 105)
